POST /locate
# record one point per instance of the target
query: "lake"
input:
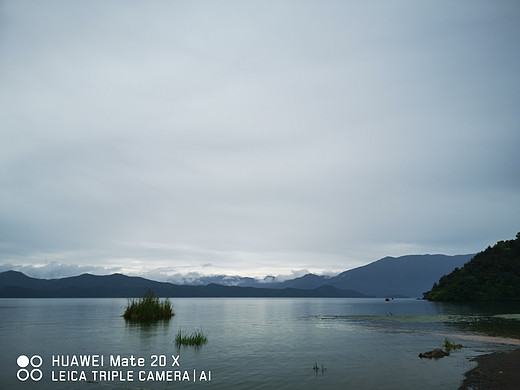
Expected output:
(253, 343)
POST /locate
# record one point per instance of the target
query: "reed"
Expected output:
(316, 368)
(197, 338)
(450, 346)
(148, 308)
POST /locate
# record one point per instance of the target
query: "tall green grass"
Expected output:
(450, 346)
(196, 338)
(148, 308)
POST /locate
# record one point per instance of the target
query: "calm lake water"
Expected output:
(252, 343)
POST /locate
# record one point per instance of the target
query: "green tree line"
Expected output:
(491, 275)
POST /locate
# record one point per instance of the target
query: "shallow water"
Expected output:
(253, 343)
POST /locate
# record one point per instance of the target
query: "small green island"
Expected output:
(491, 275)
(196, 339)
(148, 308)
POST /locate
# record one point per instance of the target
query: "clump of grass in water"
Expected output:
(316, 368)
(450, 346)
(196, 338)
(148, 308)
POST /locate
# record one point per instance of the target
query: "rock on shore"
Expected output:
(437, 353)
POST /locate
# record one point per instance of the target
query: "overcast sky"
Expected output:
(255, 137)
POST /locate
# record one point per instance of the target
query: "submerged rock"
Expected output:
(437, 353)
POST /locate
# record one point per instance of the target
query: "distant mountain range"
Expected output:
(15, 284)
(406, 276)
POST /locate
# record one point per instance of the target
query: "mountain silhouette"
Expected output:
(405, 276)
(15, 284)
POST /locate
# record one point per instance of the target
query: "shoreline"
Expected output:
(494, 371)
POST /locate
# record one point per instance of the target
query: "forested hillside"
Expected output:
(492, 275)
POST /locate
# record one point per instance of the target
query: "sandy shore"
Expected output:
(495, 371)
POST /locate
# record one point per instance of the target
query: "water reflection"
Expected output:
(146, 326)
(499, 320)
(477, 308)
(496, 319)
(494, 326)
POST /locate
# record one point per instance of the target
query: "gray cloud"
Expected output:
(258, 137)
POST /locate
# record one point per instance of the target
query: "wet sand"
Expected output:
(495, 371)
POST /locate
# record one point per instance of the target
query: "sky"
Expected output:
(254, 138)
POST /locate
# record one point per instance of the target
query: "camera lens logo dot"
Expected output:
(36, 361)
(24, 374)
(23, 361)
